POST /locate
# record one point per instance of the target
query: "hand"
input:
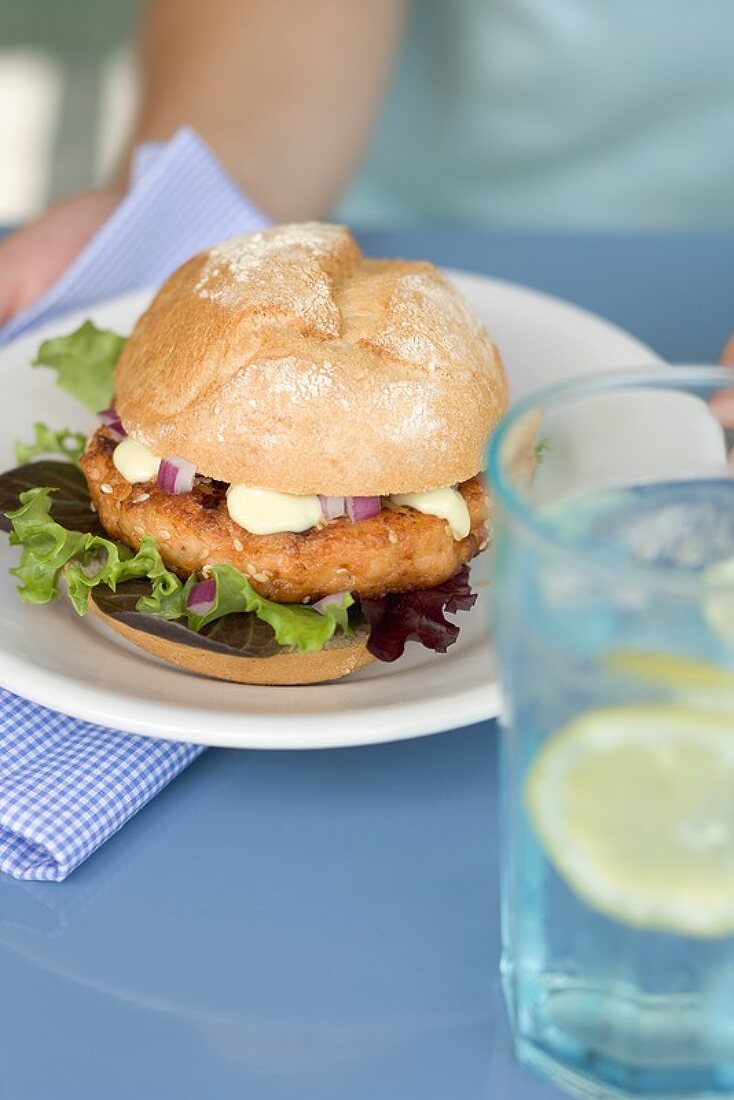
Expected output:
(722, 403)
(32, 259)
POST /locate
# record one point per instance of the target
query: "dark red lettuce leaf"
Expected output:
(417, 616)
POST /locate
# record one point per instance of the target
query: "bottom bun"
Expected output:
(341, 656)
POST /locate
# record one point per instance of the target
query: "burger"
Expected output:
(290, 470)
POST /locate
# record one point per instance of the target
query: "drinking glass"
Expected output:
(613, 613)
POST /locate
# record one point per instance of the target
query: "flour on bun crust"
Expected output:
(288, 361)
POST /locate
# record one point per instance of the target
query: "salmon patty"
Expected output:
(395, 551)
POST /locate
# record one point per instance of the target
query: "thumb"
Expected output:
(33, 258)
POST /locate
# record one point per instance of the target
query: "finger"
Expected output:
(722, 406)
(727, 355)
(32, 259)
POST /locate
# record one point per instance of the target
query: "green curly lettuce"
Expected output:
(47, 546)
(66, 443)
(293, 624)
(84, 362)
(85, 560)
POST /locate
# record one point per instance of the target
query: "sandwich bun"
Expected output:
(286, 360)
(341, 656)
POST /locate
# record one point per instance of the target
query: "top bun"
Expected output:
(286, 360)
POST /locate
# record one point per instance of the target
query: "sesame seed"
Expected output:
(263, 578)
(482, 545)
(392, 537)
(92, 506)
(141, 498)
(250, 569)
(238, 546)
(106, 488)
(163, 534)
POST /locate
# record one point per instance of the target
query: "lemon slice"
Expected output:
(634, 806)
(671, 671)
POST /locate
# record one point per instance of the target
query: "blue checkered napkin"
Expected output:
(180, 201)
(66, 786)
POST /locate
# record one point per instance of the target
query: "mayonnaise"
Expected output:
(266, 513)
(447, 504)
(135, 462)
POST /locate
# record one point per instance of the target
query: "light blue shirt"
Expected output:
(557, 114)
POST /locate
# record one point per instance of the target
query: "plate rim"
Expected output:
(426, 718)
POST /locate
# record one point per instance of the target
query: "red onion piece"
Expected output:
(332, 507)
(202, 596)
(334, 597)
(359, 508)
(176, 475)
(111, 421)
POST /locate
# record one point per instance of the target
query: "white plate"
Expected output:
(79, 667)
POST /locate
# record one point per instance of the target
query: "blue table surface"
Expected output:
(317, 926)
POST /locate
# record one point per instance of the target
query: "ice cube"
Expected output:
(686, 524)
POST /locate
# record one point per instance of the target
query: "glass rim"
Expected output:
(670, 578)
